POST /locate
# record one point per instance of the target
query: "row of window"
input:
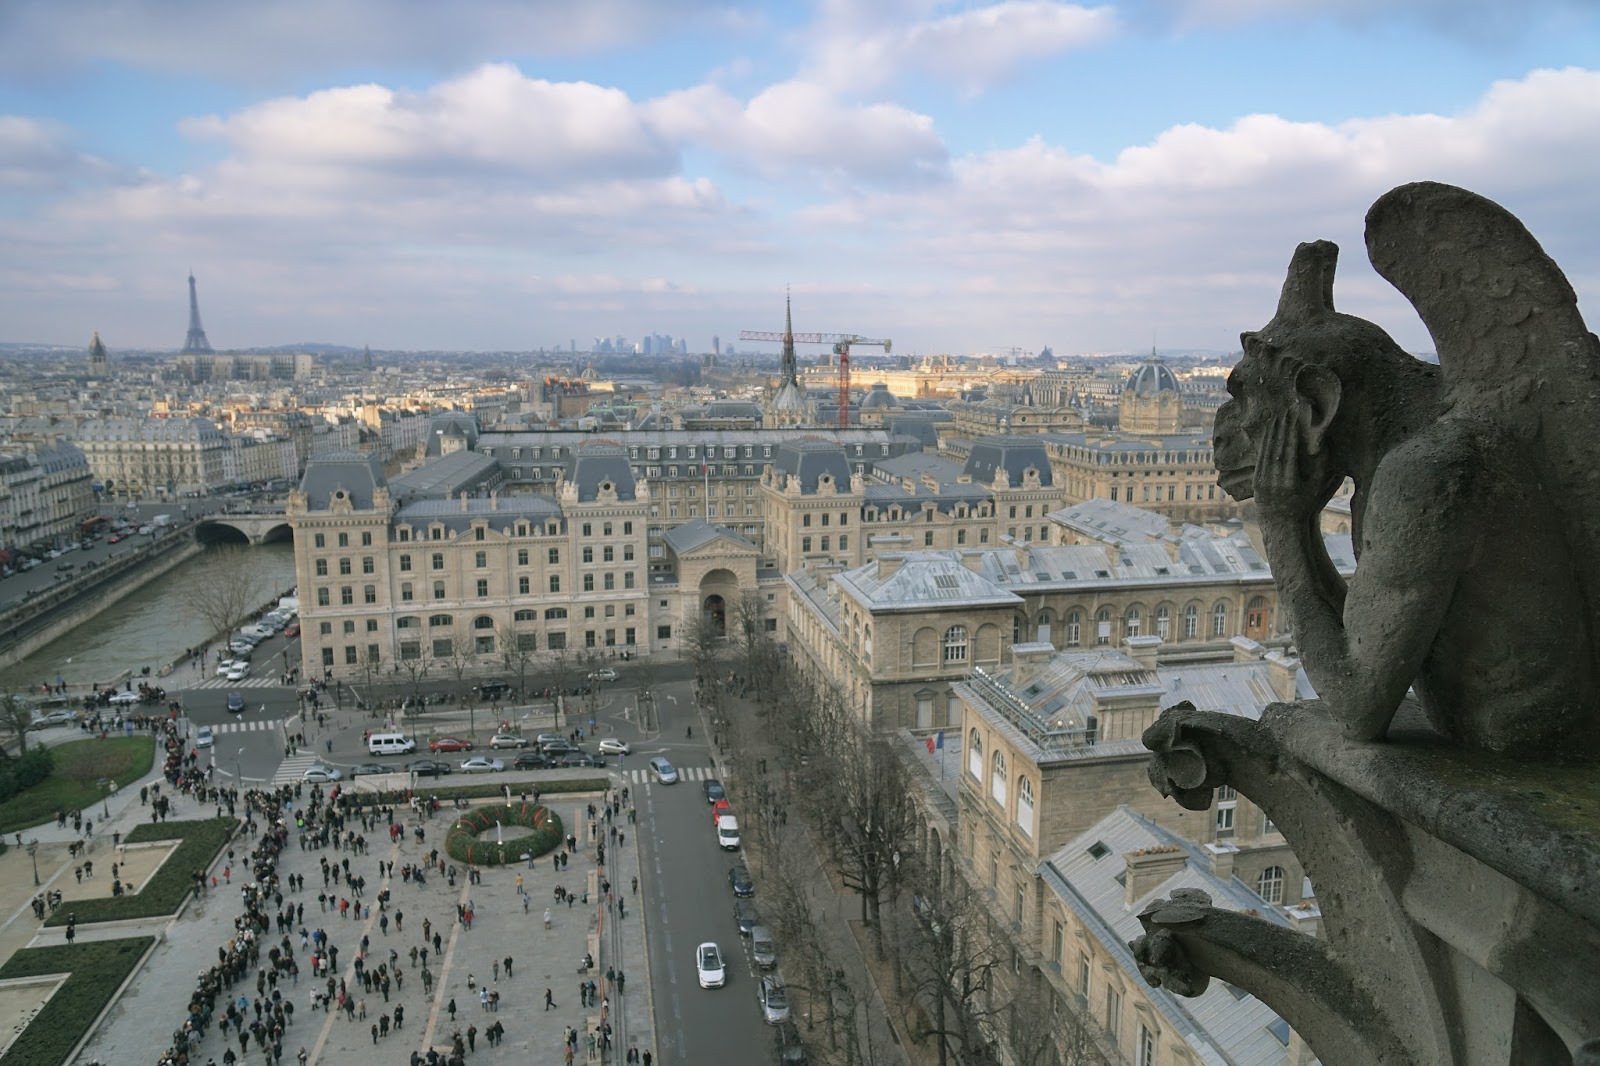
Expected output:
(1132, 623)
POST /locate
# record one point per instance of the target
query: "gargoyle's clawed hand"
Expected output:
(1290, 480)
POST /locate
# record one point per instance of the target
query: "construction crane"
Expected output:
(842, 343)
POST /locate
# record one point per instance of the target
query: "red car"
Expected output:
(114, 538)
(720, 808)
(292, 629)
(450, 744)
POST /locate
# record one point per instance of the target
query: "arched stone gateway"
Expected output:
(719, 590)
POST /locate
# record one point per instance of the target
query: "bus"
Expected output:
(94, 526)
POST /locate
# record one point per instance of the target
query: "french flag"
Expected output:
(936, 742)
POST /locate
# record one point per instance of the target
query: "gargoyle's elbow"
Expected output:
(1367, 724)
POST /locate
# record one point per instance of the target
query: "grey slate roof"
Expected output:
(1219, 1027)
(697, 532)
(811, 457)
(1112, 521)
(921, 580)
(351, 472)
(598, 461)
(924, 429)
(1151, 377)
(463, 424)
(500, 513)
(1014, 454)
(446, 476)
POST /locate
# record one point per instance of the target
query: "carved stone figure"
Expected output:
(1476, 514)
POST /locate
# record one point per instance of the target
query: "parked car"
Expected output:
(774, 1000)
(530, 760)
(203, 737)
(714, 790)
(494, 690)
(556, 748)
(719, 809)
(581, 758)
(482, 764)
(321, 775)
(548, 738)
(603, 674)
(791, 1051)
(664, 771)
(368, 769)
(744, 913)
(428, 768)
(449, 744)
(507, 740)
(708, 965)
(740, 881)
(235, 703)
(125, 698)
(763, 950)
(613, 746)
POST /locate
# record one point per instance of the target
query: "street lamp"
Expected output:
(105, 798)
(238, 767)
(33, 853)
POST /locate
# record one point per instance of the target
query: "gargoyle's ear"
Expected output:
(1318, 391)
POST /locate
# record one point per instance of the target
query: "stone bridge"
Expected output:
(255, 527)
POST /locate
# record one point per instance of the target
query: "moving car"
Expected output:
(613, 746)
(428, 768)
(494, 690)
(239, 672)
(581, 758)
(124, 698)
(744, 913)
(740, 881)
(530, 760)
(54, 718)
(708, 965)
(321, 774)
(604, 674)
(664, 771)
(203, 737)
(714, 791)
(556, 748)
(235, 703)
(549, 738)
(482, 764)
(774, 1000)
(223, 666)
(367, 769)
(507, 740)
(450, 744)
(292, 629)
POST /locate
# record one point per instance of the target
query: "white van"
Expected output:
(391, 744)
(728, 833)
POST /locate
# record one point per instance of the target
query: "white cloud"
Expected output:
(38, 156)
(861, 46)
(1489, 22)
(256, 41)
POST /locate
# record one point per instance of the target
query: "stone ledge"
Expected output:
(1536, 823)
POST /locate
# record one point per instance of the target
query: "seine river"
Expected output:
(150, 627)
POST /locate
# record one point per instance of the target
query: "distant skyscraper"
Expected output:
(366, 352)
(716, 344)
(98, 361)
(196, 340)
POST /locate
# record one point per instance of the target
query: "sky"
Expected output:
(957, 176)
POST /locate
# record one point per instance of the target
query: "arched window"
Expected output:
(1191, 622)
(406, 622)
(1102, 626)
(1042, 625)
(1219, 619)
(526, 616)
(440, 620)
(1132, 622)
(1025, 805)
(997, 778)
(555, 614)
(1074, 628)
(955, 644)
(1164, 622)
(975, 755)
(1269, 886)
(483, 621)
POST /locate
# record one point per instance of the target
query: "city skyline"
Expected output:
(960, 177)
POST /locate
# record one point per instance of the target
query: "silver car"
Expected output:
(774, 1000)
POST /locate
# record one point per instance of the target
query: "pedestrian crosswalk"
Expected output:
(685, 773)
(249, 682)
(249, 725)
(290, 769)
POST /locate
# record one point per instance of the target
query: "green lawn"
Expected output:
(98, 969)
(74, 784)
(199, 843)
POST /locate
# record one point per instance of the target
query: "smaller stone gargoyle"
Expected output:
(1477, 503)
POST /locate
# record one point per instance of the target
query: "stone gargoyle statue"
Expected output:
(1477, 481)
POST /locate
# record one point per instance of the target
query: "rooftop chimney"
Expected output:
(1150, 867)
(1283, 671)
(1222, 856)
(1029, 660)
(1246, 650)
(1142, 650)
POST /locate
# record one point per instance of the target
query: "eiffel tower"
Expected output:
(196, 340)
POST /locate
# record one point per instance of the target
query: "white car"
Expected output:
(320, 774)
(125, 698)
(482, 764)
(613, 746)
(223, 666)
(507, 740)
(665, 772)
(203, 737)
(708, 964)
(606, 674)
(239, 672)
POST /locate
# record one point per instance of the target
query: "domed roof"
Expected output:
(1151, 377)
(878, 396)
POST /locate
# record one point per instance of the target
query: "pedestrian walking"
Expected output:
(549, 999)
(547, 918)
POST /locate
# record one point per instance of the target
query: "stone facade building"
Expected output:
(154, 457)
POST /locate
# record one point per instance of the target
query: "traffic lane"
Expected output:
(689, 902)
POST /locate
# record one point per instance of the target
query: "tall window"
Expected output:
(369, 594)
(1074, 628)
(1164, 622)
(405, 563)
(1269, 886)
(1191, 622)
(1025, 805)
(997, 778)
(1227, 804)
(480, 559)
(1114, 1013)
(344, 567)
(1132, 623)
(975, 755)
(1219, 620)
(955, 644)
(347, 595)
(438, 560)
(483, 587)
(1102, 626)
(438, 590)
(1147, 1047)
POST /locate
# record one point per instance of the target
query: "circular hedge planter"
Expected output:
(462, 841)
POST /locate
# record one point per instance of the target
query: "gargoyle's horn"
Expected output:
(1308, 289)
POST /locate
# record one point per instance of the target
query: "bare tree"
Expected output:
(225, 591)
(462, 657)
(750, 621)
(563, 669)
(519, 650)
(699, 644)
(16, 716)
(644, 686)
(413, 668)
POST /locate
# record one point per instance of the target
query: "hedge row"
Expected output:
(201, 842)
(484, 790)
(97, 969)
(463, 842)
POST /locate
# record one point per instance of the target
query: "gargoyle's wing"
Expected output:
(1513, 348)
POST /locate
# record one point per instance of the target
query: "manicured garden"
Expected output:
(471, 837)
(74, 779)
(200, 843)
(97, 969)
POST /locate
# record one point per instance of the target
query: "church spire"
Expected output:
(789, 371)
